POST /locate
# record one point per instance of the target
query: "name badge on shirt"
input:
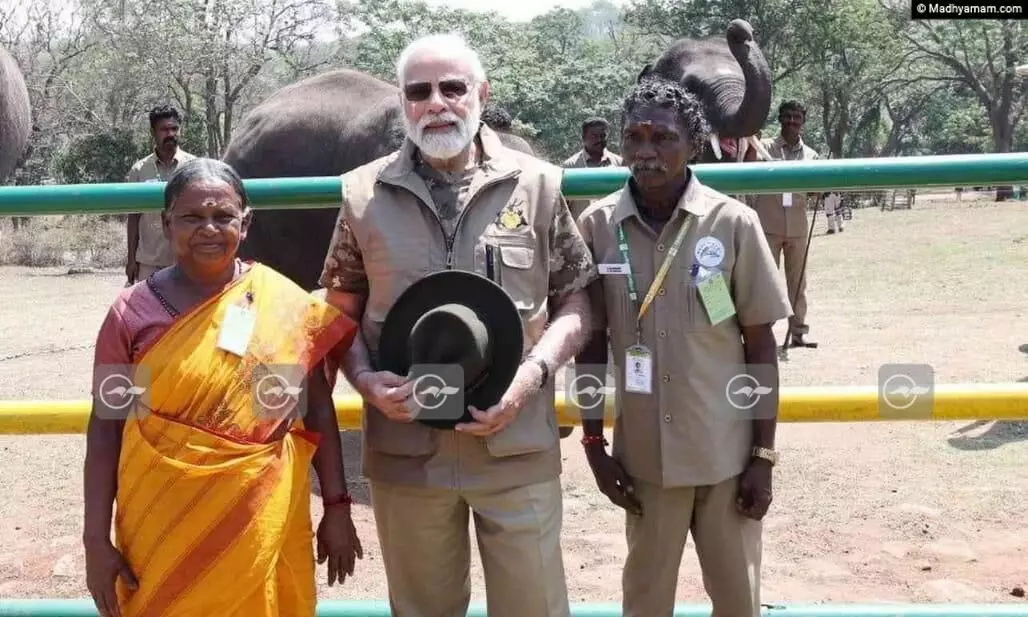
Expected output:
(613, 268)
(716, 298)
(638, 370)
(786, 200)
(236, 329)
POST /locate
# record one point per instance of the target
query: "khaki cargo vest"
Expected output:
(401, 240)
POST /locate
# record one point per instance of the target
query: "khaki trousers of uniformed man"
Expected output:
(794, 249)
(728, 546)
(426, 550)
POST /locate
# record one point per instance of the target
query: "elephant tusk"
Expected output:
(716, 145)
(761, 150)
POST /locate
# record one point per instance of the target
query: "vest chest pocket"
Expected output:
(514, 267)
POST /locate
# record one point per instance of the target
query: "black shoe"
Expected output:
(799, 341)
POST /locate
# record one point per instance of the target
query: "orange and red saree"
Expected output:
(212, 508)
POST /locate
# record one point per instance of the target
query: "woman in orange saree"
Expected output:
(210, 402)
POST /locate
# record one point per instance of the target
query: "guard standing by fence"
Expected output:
(784, 217)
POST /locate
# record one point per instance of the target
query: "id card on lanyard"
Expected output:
(237, 327)
(638, 359)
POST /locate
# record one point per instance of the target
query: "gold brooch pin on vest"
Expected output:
(512, 217)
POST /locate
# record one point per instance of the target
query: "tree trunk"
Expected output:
(210, 97)
(1003, 137)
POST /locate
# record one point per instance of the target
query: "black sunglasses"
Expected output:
(449, 88)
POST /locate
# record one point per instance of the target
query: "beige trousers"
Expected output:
(793, 249)
(728, 546)
(426, 549)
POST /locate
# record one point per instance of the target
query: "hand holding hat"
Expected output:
(457, 338)
(387, 392)
(496, 418)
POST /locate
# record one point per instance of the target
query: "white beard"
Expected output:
(445, 144)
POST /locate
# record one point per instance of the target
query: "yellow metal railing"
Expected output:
(996, 401)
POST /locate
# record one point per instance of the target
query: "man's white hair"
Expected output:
(448, 45)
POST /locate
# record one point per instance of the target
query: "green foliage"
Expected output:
(192, 135)
(548, 74)
(99, 157)
(874, 82)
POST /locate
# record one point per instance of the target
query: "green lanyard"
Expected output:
(658, 278)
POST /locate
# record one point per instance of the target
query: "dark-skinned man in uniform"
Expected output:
(683, 460)
(783, 216)
(594, 153)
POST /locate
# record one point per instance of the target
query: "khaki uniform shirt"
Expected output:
(775, 218)
(685, 433)
(153, 248)
(580, 160)
(401, 221)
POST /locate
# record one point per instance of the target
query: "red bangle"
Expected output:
(588, 439)
(335, 501)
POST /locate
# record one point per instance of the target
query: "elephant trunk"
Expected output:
(740, 112)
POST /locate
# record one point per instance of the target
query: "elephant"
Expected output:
(324, 125)
(15, 114)
(731, 78)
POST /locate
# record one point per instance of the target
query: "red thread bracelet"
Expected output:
(588, 439)
(335, 501)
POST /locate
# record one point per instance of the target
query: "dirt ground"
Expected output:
(863, 512)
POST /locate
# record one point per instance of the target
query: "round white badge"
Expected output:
(710, 252)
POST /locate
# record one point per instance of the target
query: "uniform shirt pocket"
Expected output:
(693, 314)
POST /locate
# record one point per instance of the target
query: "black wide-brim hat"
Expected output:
(448, 318)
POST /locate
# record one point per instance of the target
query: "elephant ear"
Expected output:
(645, 72)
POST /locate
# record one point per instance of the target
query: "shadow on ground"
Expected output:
(998, 434)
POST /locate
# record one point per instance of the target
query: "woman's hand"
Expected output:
(338, 543)
(104, 564)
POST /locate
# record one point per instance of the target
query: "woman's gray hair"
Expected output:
(203, 170)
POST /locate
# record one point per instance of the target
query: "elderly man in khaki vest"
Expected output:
(784, 216)
(689, 292)
(148, 248)
(450, 192)
(594, 153)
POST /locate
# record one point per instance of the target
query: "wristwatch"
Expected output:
(542, 367)
(767, 454)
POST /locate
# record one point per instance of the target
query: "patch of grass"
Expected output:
(73, 240)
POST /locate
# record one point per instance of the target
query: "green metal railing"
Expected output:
(774, 177)
(361, 608)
